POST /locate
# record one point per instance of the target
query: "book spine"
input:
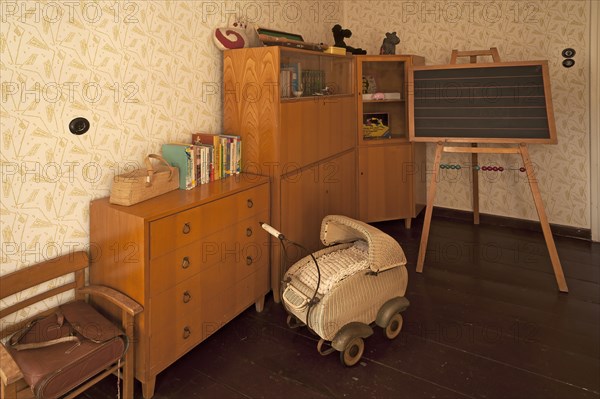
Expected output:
(191, 169)
(217, 149)
(198, 164)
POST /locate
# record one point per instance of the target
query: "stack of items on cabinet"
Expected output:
(207, 158)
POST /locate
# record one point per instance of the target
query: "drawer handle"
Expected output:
(249, 260)
(248, 232)
(186, 228)
(185, 263)
(186, 297)
(186, 332)
(250, 203)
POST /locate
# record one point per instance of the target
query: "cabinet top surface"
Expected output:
(387, 57)
(180, 200)
(284, 49)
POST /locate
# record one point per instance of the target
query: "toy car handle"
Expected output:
(271, 230)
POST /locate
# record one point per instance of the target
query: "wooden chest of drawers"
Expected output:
(194, 259)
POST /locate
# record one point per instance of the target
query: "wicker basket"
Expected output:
(142, 184)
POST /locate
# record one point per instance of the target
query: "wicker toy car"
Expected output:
(360, 280)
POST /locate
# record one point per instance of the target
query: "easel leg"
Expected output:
(475, 176)
(429, 209)
(539, 205)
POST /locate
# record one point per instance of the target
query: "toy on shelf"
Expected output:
(339, 35)
(388, 46)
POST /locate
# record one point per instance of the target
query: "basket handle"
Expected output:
(150, 169)
(295, 299)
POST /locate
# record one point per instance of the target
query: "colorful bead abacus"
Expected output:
(484, 168)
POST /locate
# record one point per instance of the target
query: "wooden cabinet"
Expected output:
(194, 260)
(306, 144)
(391, 170)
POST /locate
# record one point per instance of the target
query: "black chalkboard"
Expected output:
(499, 102)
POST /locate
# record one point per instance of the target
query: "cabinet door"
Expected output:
(301, 209)
(315, 129)
(338, 180)
(300, 134)
(385, 180)
(308, 195)
(336, 119)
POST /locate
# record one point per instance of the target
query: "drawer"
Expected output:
(173, 309)
(248, 289)
(174, 340)
(234, 247)
(185, 227)
(176, 334)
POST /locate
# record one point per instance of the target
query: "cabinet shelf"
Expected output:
(395, 138)
(384, 101)
(329, 97)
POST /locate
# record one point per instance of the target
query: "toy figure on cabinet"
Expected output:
(339, 35)
(389, 43)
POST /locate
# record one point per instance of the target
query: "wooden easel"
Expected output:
(442, 146)
(492, 52)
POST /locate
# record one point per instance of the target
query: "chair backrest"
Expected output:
(12, 283)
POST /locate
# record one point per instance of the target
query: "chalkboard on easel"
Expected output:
(507, 102)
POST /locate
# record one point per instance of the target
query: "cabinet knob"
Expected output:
(250, 203)
(186, 297)
(185, 262)
(248, 232)
(186, 332)
(186, 228)
(249, 260)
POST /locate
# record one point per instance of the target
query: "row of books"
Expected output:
(289, 79)
(293, 79)
(208, 158)
(313, 81)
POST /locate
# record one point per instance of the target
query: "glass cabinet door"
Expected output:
(308, 74)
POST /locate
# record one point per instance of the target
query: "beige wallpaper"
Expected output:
(147, 72)
(143, 72)
(521, 30)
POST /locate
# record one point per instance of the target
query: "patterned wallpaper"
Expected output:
(521, 30)
(143, 73)
(147, 72)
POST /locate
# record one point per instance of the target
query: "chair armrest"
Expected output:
(9, 371)
(115, 297)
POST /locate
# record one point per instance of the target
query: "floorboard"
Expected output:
(486, 321)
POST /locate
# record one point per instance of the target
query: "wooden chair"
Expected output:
(12, 383)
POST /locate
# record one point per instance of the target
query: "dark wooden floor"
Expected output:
(486, 320)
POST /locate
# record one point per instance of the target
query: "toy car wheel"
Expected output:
(394, 326)
(353, 352)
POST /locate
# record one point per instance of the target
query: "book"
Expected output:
(292, 78)
(211, 139)
(183, 157)
(225, 154)
(207, 168)
(285, 82)
(236, 153)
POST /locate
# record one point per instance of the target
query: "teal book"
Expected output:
(182, 156)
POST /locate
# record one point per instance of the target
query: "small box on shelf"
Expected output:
(376, 126)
